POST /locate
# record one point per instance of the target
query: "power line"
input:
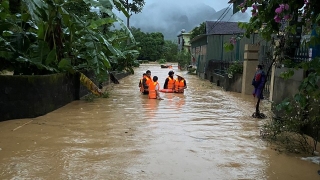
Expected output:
(230, 17)
(225, 14)
(221, 17)
(219, 20)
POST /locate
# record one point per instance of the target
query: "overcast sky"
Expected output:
(170, 16)
(168, 5)
(216, 4)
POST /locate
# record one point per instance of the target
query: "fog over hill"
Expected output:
(171, 18)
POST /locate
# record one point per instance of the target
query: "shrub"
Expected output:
(235, 68)
(162, 61)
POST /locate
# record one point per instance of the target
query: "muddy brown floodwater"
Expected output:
(206, 133)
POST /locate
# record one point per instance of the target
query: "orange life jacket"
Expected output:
(179, 85)
(148, 80)
(171, 83)
(152, 90)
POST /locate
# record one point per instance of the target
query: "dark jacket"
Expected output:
(259, 79)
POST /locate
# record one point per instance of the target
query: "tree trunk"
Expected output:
(128, 20)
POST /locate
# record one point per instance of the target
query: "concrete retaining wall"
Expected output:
(233, 84)
(286, 88)
(28, 96)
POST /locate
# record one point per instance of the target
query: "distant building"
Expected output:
(184, 41)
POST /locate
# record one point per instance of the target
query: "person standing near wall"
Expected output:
(258, 82)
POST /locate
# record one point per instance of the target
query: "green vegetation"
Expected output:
(44, 37)
(170, 50)
(236, 67)
(89, 97)
(106, 94)
(153, 47)
(201, 29)
(183, 58)
(150, 44)
(162, 61)
(135, 6)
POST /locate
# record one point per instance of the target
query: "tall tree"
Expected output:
(170, 50)
(135, 6)
(199, 30)
(150, 44)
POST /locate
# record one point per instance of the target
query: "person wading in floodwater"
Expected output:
(180, 84)
(146, 81)
(141, 82)
(169, 83)
(154, 89)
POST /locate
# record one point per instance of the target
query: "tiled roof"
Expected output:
(221, 27)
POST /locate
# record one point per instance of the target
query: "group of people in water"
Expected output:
(150, 86)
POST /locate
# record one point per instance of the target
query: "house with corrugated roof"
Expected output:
(208, 52)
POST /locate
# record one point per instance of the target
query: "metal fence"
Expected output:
(301, 54)
(265, 59)
(218, 66)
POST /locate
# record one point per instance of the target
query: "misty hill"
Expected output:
(170, 20)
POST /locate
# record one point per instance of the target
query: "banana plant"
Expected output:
(46, 38)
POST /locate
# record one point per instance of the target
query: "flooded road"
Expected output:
(205, 133)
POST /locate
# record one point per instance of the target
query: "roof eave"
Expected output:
(197, 38)
(225, 33)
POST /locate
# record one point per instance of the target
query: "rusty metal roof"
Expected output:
(222, 27)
